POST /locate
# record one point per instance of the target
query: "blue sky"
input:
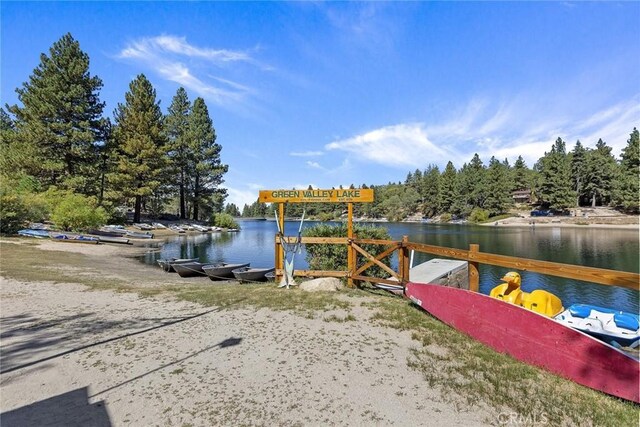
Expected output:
(329, 94)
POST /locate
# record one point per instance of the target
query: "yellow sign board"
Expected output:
(356, 195)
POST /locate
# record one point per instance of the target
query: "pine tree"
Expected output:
(521, 175)
(555, 176)
(431, 191)
(600, 173)
(180, 152)
(627, 188)
(139, 151)
(208, 168)
(579, 170)
(60, 120)
(448, 188)
(499, 186)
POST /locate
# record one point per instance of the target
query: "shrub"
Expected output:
(13, 212)
(224, 220)
(78, 213)
(334, 257)
(478, 215)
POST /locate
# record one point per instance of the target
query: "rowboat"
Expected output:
(615, 327)
(139, 235)
(221, 270)
(250, 274)
(167, 264)
(189, 269)
(114, 239)
(115, 232)
(532, 338)
(38, 234)
(68, 238)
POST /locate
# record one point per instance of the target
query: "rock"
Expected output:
(328, 284)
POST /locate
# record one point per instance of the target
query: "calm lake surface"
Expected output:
(604, 248)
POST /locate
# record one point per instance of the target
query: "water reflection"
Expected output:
(604, 248)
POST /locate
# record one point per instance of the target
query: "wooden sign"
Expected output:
(356, 195)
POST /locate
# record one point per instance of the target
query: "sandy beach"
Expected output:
(75, 356)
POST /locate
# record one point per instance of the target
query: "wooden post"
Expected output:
(279, 249)
(351, 256)
(406, 259)
(474, 272)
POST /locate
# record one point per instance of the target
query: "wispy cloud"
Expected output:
(403, 145)
(503, 130)
(314, 165)
(306, 153)
(176, 60)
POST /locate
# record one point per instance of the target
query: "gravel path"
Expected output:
(73, 356)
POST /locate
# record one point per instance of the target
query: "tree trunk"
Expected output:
(196, 198)
(183, 209)
(136, 212)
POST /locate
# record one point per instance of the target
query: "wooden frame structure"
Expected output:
(473, 256)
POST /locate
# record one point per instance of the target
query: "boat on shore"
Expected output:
(37, 233)
(69, 238)
(189, 269)
(167, 264)
(222, 270)
(138, 235)
(251, 274)
(532, 338)
(113, 239)
(615, 327)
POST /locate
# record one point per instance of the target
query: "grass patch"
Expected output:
(470, 372)
(25, 262)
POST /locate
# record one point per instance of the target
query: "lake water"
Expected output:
(604, 248)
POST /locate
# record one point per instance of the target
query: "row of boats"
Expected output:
(181, 228)
(190, 267)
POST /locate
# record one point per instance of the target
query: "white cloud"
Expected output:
(314, 165)
(174, 59)
(241, 197)
(504, 130)
(306, 154)
(403, 145)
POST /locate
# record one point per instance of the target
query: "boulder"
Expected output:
(329, 284)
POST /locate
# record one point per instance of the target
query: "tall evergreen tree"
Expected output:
(627, 188)
(600, 173)
(579, 170)
(60, 120)
(180, 152)
(555, 176)
(430, 191)
(448, 188)
(140, 150)
(521, 175)
(208, 169)
(499, 185)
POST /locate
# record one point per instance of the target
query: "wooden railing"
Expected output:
(473, 256)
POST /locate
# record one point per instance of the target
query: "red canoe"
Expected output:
(532, 338)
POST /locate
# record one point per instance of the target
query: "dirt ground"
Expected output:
(75, 356)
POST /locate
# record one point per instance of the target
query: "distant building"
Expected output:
(522, 196)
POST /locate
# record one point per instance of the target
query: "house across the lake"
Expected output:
(522, 196)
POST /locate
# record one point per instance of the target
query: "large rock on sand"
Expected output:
(329, 284)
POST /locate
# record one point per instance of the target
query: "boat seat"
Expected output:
(580, 310)
(627, 321)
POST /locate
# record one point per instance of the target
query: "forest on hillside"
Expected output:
(559, 180)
